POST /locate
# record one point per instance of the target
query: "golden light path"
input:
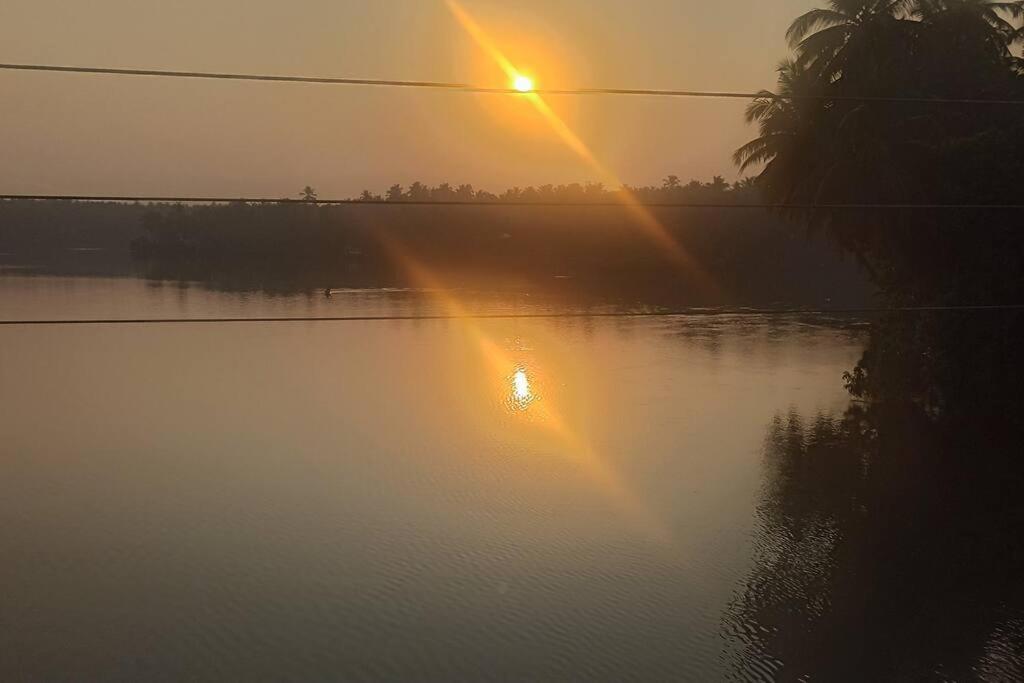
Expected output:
(499, 363)
(649, 225)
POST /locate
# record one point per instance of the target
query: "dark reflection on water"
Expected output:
(890, 548)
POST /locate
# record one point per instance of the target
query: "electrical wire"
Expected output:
(693, 312)
(466, 87)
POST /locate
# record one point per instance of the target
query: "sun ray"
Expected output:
(499, 363)
(643, 217)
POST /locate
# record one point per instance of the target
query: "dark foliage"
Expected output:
(841, 151)
(596, 252)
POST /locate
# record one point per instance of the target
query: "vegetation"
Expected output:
(891, 534)
(594, 251)
(671, 190)
(821, 142)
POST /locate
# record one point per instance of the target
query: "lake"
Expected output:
(676, 498)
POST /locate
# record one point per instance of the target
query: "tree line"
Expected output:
(672, 189)
(756, 258)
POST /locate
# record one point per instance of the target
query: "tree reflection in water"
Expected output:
(889, 548)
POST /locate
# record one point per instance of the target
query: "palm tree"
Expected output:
(782, 119)
(985, 24)
(308, 194)
(828, 40)
(820, 142)
(989, 12)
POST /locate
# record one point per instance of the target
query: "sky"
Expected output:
(80, 134)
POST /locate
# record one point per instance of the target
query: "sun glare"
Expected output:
(522, 394)
(522, 385)
(523, 83)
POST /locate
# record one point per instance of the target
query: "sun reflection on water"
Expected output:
(522, 395)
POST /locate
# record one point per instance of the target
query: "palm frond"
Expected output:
(818, 50)
(762, 107)
(807, 23)
(759, 150)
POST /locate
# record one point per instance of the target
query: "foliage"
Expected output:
(824, 140)
(671, 190)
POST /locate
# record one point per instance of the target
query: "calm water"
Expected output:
(434, 500)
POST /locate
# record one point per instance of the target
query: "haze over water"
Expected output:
(295, 502)
(613, 499)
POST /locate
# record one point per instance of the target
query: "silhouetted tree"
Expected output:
(418, 192)
(718, 184)
(827, 138)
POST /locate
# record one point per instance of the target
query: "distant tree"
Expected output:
(570, 193)
(745, 185)
(546, 192)
(418, 192)
(308, 194)
(512, 194)
(442, 193)
(718, 184)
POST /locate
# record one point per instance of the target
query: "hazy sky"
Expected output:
(98, 134)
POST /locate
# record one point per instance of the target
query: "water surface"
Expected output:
(413, 500)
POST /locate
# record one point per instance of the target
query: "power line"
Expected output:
(499, 203)
(466, 87)
(693, 312)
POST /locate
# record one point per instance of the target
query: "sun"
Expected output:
(523, 83)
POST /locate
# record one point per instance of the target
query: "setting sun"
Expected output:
(523, 84)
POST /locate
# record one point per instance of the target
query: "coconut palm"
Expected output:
(783, 118)
(966, 46)
(824, 38)
(995, 14)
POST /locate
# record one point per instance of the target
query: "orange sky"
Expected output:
(88, 134)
